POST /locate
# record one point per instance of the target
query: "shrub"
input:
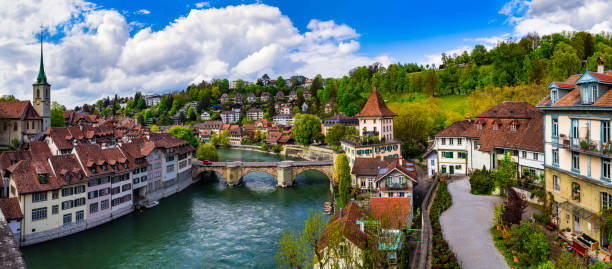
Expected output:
(443, 257)
(481, 182)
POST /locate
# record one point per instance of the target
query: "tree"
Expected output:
(514, 207)
(8, 98)
(343, 178)
(164, 119)
(306, 128)
(15, 143)
(565, 62)
(221, 139)
(506, 175)
(57, 115)
(140, 119)
(184, 133)
(337, 132)
(191, 114)
(404, 255)
(280, 83)
(207, 152)
(154, 128)
(291, 252)
(314, 227)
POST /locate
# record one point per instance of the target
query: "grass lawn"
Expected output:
(452, 102)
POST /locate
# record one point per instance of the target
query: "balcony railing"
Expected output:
(588, 146)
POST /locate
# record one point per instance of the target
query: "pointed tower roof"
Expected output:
(375, 107)
(42, 78)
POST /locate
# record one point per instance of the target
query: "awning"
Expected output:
(579, 211)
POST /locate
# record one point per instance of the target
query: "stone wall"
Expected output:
(10, 255)
(311, 153)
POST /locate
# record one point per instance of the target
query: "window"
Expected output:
(555, 156)
(605, 168)
(67, 204)
(92, 194)
(79, 202)
(495, 126)
(555, 127)
(576, 191)
(462, 155)
(115, 190)
(554, 95)
(93, 208)
(606, 201)
(524, 154)
(104, 205)
(575, 162)
(67, 192)
(459, 141)
(39, 213)
(170, 168)
(450, 141)
(126, 187)
(433, 162)
(80, 216)
(605, 131)
(67, 219)
(556, 183)
(169, 159)
(39, 197)
(443, 141)
(513, 127)
(54, 209)
(594, 92)
(574, 130)
(448, 155)
(535, 156)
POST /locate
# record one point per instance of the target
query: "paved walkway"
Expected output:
(466, 224)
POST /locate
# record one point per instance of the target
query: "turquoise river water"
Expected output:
(208, 225)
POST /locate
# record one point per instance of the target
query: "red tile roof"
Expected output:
(369, 166)
(67, 169)
(25, 175)
(17, 110)
(347, 218)
(39, 150)
(391, 212)
(10, 208)
(375, 107)
(527, 119)
(602, 77)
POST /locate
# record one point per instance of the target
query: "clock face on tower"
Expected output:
(47, 102)
(38, 102)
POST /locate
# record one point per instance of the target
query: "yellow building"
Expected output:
(52, 197)
(577, 145)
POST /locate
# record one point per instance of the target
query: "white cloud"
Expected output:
(202, 4)
(143, 12)
(548, 16)
(95, 56)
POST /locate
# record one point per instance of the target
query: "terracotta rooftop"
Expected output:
(10, 208)
(347, 218)
(369, 166)
(375, 107)
(67, 169)
(25, 174)
(390, 211)
(17, 110)
(497, 131)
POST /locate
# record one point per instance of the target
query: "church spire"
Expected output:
(42, 78)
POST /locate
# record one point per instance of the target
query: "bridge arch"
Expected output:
(250, 170)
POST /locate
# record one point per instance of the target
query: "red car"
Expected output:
(205, 162)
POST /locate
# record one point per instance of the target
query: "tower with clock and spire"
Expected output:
(41, 91)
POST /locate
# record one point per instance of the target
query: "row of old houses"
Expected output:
(68, 183)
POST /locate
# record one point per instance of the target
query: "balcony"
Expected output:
(587, 146)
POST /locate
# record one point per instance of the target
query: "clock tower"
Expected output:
(42, 92)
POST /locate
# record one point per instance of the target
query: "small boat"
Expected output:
(151, 204)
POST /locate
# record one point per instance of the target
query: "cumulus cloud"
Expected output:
(548, 16)
(202, 4)
(143, 12)
(94, 54)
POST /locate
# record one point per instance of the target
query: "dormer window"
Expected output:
(125, 165)
(589, 93)
(513, 127)
(43, 178)
(116, 167)
(479, 126)
(554, 96)
(104, 167)
(495, 127)
(67, 177)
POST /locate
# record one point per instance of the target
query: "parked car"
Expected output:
(205, 162)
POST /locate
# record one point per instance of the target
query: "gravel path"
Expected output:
(466, 224)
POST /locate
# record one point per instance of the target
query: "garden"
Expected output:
(442, 256)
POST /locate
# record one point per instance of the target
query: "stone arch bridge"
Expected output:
(285, 172)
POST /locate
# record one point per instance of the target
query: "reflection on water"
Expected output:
(208, 225)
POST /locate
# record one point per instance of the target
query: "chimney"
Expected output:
(468, 118)
(600, 65)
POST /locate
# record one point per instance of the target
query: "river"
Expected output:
(208, 225)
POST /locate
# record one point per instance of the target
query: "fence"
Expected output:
(424, 248)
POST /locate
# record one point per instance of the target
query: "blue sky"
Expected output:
(101, 48)
(404, 30)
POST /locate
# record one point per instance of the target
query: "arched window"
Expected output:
(37, 93)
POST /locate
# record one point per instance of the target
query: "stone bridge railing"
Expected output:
(285, 172)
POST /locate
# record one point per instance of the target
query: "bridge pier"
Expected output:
(285, 174)
(233, 173)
